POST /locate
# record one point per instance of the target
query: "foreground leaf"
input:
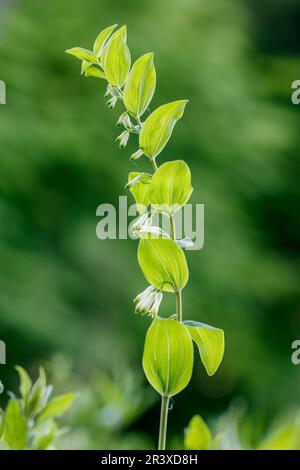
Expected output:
(56, 407)
(210, 342)
(197, 436)
(163, 264)
(140, 85)
(158, 127)
(25, 383)
(15, 426)
(168, 356)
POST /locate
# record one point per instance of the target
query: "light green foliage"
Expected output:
(163, 264)
(116, 59)
(197, 435)
(92, 71)
(139, 184)
(159, 126)
(140, 85)
(29, 422)
(168, 356)
(210, 342)
(83, 54)
(285, 437)
(102, 38)
(170, 186)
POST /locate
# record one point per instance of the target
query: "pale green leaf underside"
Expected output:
(140, 190)
(158, 127)
(93, 71)
(168, 356)
(210, 342)
(83, 54)
(163, 264)
(140, 85)
(170, 187)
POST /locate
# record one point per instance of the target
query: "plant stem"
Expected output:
(154, 166)
(172, 227)
(163, 422)
(178, 305)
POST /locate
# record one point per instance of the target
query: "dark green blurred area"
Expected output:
(64, 293)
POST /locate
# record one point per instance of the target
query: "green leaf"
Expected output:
(139, 184)
(15, 426)
(140, 85)
(210, 342)
(163, 264)
(116, 59)
(158, 127)
(102, 38)
(168, 356)
(83, 54)
(93, 71)
(1, 387)
(286, 437)
(39, 394)
(197, 436)
(45, 436)
(56, 407)
(25, 382)
(170, 187)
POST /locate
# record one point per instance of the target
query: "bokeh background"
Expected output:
(66, 297)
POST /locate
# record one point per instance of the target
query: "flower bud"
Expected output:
(123, 139)
(136, 155)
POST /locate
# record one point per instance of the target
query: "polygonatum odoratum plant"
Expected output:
(165, 189)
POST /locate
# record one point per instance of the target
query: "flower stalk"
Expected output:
(168, 355)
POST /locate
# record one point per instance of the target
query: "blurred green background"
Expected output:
(65, 296)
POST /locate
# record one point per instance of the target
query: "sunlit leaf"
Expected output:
(15, 426)
(163, 264)
(170, 187)
(83, 54)
(210, 342)
(116, 59)
(197, 435)
(102, 38)
(93, 71)
(138, 184)
(140, 85)
(168, 356)
(158, 127)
